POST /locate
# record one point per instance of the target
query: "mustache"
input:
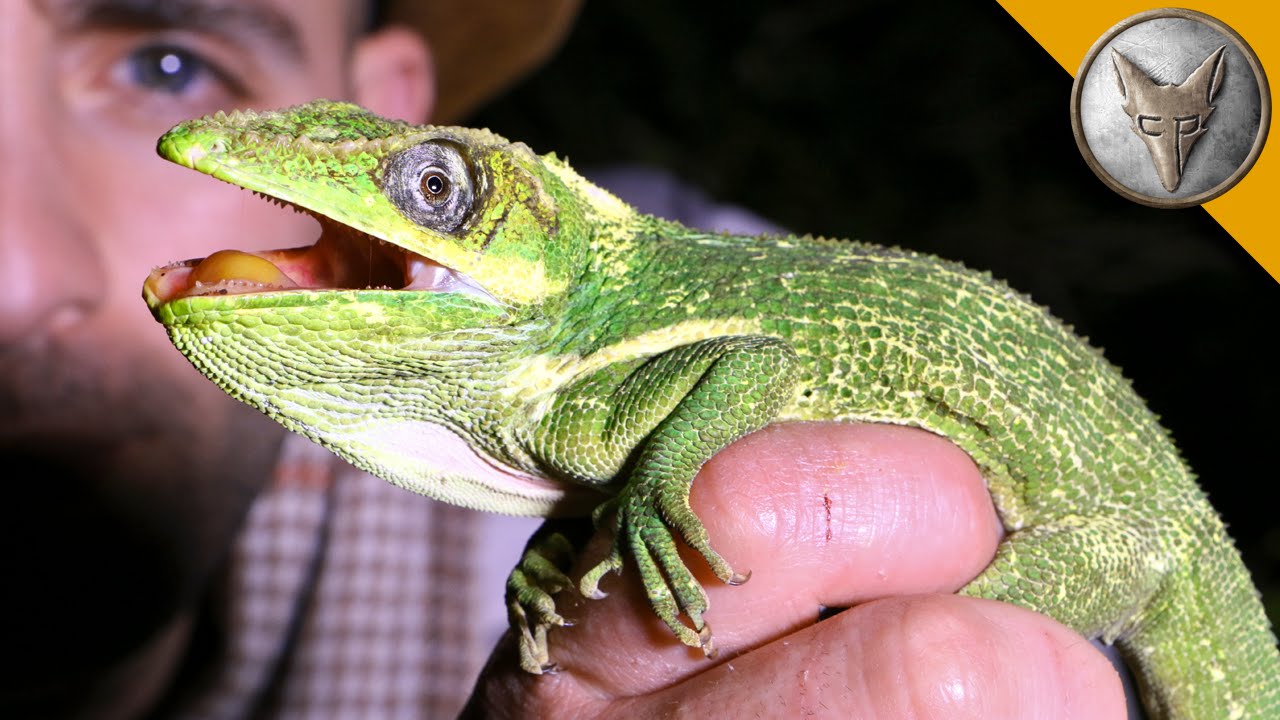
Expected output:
(48, 391)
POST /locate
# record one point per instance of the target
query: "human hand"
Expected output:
(884, 520)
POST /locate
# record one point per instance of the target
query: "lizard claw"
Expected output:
(531, 606)
(589, 586)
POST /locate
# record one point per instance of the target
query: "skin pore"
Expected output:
(129, 473)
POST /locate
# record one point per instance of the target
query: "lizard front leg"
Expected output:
(642, 430)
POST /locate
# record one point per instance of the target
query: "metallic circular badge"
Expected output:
(1170, 108)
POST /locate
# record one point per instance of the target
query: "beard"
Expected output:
(125, 480)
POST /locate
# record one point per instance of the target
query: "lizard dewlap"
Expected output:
(479, 324)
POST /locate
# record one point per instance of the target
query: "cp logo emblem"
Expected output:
(1170, 108)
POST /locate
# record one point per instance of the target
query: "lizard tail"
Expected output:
(1204, 648)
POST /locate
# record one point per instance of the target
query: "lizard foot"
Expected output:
(531, 606)
(645, 524)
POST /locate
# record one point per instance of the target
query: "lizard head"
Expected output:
(445, 254)
(403, 208)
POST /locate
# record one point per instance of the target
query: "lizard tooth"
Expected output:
(426, 275)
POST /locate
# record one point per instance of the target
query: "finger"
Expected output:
(925, 656)
(935, 656)
(823, 515)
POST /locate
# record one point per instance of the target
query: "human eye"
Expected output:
(172, 69)
(149, 80)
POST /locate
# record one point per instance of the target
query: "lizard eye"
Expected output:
(435, 185)
(431, 184)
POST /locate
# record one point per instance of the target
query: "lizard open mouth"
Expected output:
(343, 258)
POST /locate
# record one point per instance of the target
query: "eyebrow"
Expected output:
(235, 19)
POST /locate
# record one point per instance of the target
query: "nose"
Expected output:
(50, 271)
(47, 274)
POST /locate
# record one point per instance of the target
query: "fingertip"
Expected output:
(933, 656)
(956, 657)
(860, 511)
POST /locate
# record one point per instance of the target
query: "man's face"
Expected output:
(125, 472)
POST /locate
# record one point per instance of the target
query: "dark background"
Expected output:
(940, 127)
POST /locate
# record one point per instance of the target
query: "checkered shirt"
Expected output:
(350, 597)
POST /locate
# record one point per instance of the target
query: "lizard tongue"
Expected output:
(226, 272)
(236, 266)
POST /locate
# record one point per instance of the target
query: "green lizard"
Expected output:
(479, 324)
